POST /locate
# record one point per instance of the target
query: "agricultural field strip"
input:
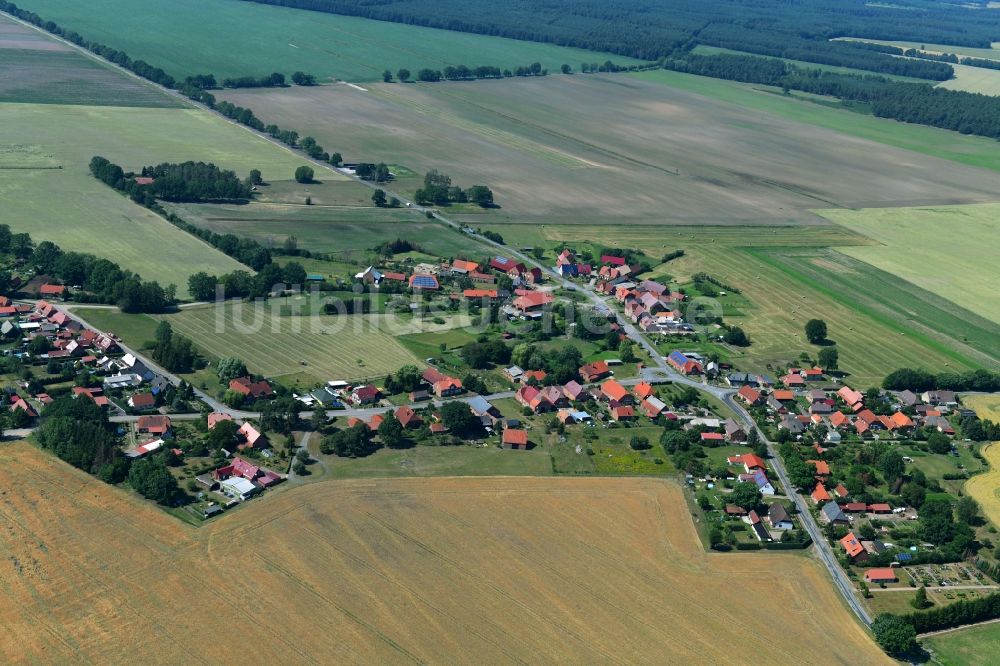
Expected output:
(959, 266)
(509, 139)
(969, 150)
(265, 38)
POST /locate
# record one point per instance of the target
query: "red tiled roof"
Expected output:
(613, 390)
(514, 436)
(852, 545)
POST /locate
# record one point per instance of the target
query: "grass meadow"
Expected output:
(948, 250)
(965, 647)
(647, 159)
(348, 348)
(233, 38)
(48, 191)
(390, 570)
(348, 230)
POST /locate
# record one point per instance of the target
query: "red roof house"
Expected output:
(515, 439)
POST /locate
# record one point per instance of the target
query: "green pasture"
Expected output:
(701, 49)
(964, 647)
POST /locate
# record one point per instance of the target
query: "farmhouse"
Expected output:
(49, 290)
(154, 425)
(820, 494)
(215, 418)
(595, 371)
(252, 437)
(615, 394)
(142, 401)
(778, 516)
(684, 364)
(424, 282)
(532, 300)
(852, 546)
(749, 461)
(365, 395)
(94, 394)
(834, 514)
(247, 387)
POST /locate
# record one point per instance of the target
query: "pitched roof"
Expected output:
(643, 390)
(822, 467)
(612, 260)
(613, 390)
(423, 281)
(463, 265)
(852, 545)
(514, 436)
(533, 299)
(820, 494)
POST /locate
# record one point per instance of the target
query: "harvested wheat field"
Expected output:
(985, 488)
(492, 570)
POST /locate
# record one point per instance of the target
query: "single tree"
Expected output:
(746, 495)
(318, 419)
(920, 600)
(566, 69)
(255, 177)
(967, 510)
(894, 634)
(304, 174)
(379, 198)
(829, 358)
(390, 431)
(336, 159)
(387, 76)
(403, 75)
(815, 331)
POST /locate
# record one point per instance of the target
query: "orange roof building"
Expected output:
(820, 494)
(852, 546)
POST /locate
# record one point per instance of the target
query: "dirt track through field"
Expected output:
(492, 570)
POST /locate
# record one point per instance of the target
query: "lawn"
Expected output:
(232, 38)
(390, 570)
(646, 160)
(958, 265)
(931, 141)
(315, 349)
(964, 647)
(35, 69)
(47, 189)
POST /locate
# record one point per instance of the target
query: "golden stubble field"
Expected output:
(452, 570)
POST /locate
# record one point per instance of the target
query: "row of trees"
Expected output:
(466, 73)
(650, 31)
(915, 379)
(918, 103)
(102, 280)
(439, 191)
(242, 284)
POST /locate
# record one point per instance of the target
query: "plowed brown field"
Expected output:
(406, 570)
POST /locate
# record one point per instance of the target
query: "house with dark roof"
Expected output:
(424, 282)
(777, 516)
(834, 514)
(684, 364)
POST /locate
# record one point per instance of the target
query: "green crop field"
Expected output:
(47, 189)
(35, 69)
(332, 348)
(233, 38)
(965, 647)
(948, 250)
(347, 230)
(646, 160)
(931, 141)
